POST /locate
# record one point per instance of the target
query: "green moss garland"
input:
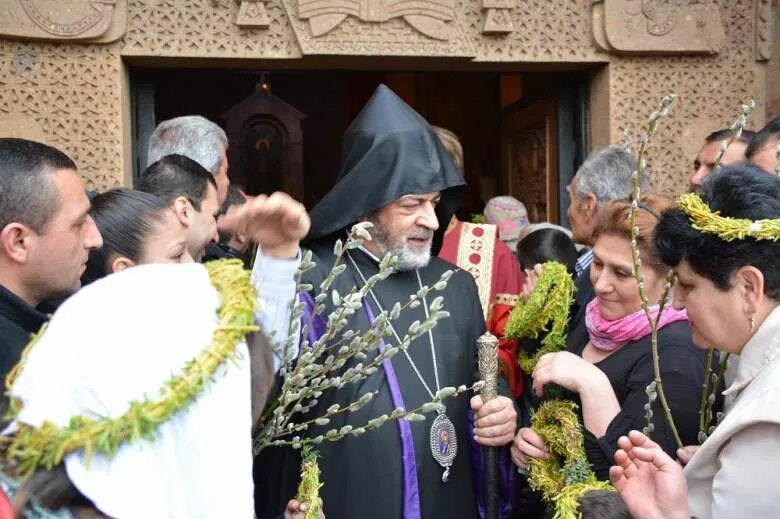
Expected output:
(545, 310)
(46, 446)
(566, 475)
(309, 486)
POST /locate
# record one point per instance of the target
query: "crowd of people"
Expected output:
(112, 313)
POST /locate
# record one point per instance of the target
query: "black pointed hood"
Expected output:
(388, 151)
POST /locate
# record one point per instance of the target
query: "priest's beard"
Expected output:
(396, 244)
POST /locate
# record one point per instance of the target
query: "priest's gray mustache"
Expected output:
(421, 234)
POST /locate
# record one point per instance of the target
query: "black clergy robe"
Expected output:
(389, 151)
(363, 476)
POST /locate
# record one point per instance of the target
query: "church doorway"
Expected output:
(523, 134)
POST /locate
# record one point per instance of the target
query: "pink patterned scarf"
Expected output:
(612, 335)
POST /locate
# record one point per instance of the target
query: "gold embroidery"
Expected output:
(506, 299)
(475, 255)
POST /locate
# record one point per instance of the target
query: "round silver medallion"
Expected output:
(444, 443)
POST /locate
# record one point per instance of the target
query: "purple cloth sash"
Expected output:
(411, 485)
(317, 325)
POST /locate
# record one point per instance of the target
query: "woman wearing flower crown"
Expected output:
(609, 361)
(724, 249)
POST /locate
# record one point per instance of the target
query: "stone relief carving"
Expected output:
(19, 125)
(98, 21)
(708, 99)
(68, 96)
(429, 17)
(73, 92)
(253, 15)
(544, 30)
(657, 26)
(368, 29)
(498, 16)
(206, 28)
(765, 29)
(693, 134)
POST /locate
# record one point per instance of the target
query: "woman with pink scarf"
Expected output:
(609, 362)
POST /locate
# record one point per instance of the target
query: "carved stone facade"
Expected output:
(75, 94)
(765, 28)
(78, 20)
(657, 26)
(68, 96)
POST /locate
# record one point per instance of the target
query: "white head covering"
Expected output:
(118, 340)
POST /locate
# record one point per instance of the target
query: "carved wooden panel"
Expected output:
(529, 157)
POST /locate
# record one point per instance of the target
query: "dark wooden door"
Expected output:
(529, 156)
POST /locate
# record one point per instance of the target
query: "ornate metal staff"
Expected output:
(488, 370)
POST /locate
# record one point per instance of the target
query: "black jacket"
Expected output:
(18, 321)
(630, 371)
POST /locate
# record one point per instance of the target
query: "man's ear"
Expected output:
(183, 209)
(16, 240)
(121, 263)
(590, 205)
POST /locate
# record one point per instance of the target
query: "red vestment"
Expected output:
(477, 249)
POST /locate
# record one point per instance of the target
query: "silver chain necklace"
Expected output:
(443, 440)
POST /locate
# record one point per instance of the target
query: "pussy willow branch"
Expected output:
(663, 111)
(309, 378)
(399, 413)
(708, 389)
(627, 138)
(705, 422)
(736, 130)
(705, 393)
(320, 366)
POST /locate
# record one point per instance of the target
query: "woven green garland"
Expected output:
(545, 310)
(726, 228)
(46, 446)
(566, 475)
(309, 486)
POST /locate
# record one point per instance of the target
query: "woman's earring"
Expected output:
(752, 321)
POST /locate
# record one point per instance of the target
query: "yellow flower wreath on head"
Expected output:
(725, 227)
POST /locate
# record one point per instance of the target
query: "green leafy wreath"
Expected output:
(545, 310)
(566, 475)
(46, 446)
